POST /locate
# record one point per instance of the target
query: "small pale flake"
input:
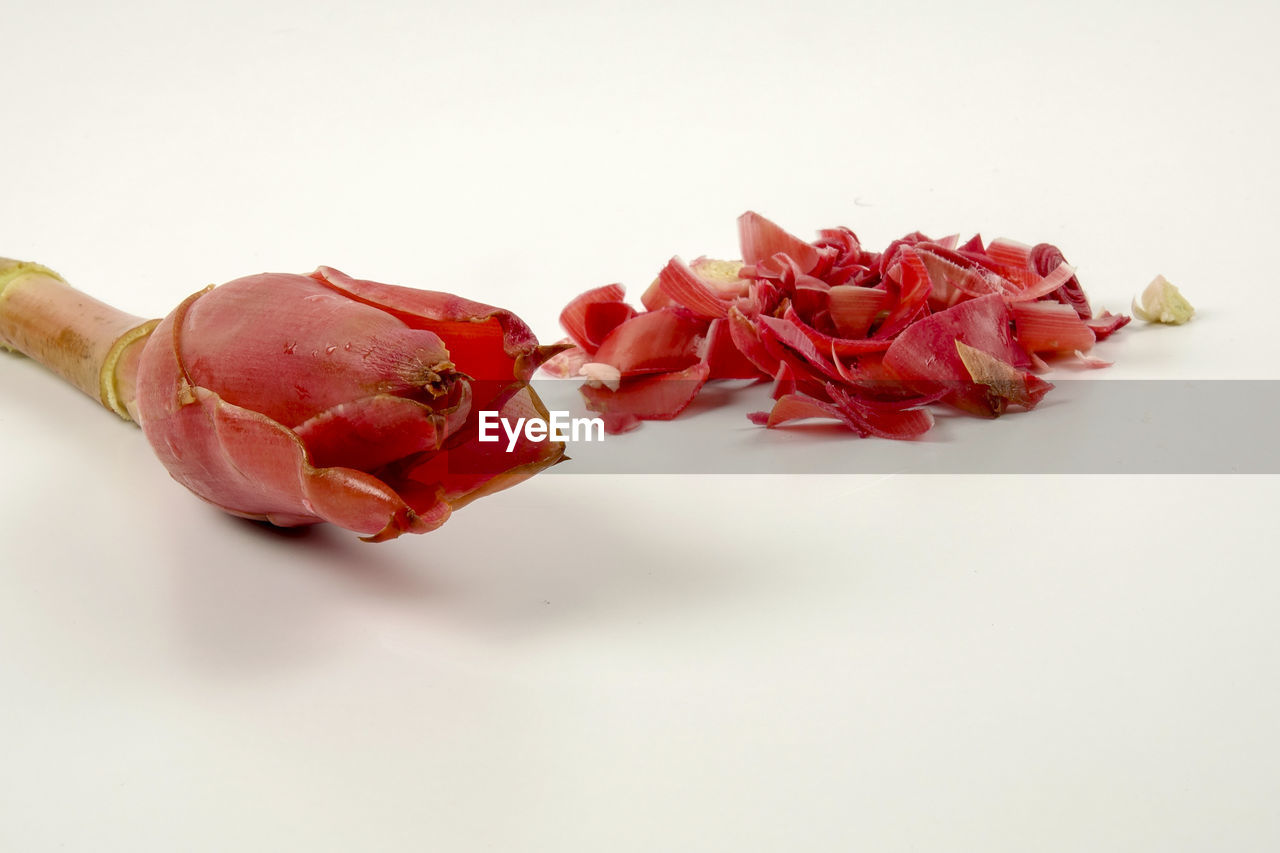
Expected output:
(601, 375)
(1161, 302)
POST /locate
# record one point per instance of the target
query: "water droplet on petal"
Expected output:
(330, 350)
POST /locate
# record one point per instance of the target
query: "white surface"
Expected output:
(638, 663)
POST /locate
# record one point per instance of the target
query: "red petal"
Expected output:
(723, 357)
(657, 397)
(925, 357)
(788, 333)
(913, 298)
(746, 337)
(761, 239)
(1009, 253)
(895, 421)
(653, 342)
(855, 309)
(467, 468)
(603, 317)
(574, 316)
(785, 382)
(331, 350)
(1050, 327)
(1006, 382)
(1106, 323)
(679, 284)
(885, 424)
(839, 347)
(368, 434)
(483, 341)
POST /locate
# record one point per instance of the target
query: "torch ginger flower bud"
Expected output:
(296, 399)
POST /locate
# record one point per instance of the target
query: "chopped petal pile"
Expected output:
(867, 339)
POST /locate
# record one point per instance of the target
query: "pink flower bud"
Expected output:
(297, 399)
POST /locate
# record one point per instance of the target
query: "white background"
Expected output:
(630, 662)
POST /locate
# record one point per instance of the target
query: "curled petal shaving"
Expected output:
(865, 422)
(842, 347)
(602, 318)
(1036, 286)
(1106, 323)
(660, 396)
(746, 338)
(483, 341)
(784, 383)
(1009, 253)
(913, 279)
(954, 277)
(881, 419)
(574, 316)
(1046, 257)
(1048, 326)
(723, 358)
(762, 239)
(796, 407)
(722, 278)
(854, 310)
(684, 288)
(885, 260)
(653, 342)
(786, 331)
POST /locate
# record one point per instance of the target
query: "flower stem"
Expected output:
(88, 343)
